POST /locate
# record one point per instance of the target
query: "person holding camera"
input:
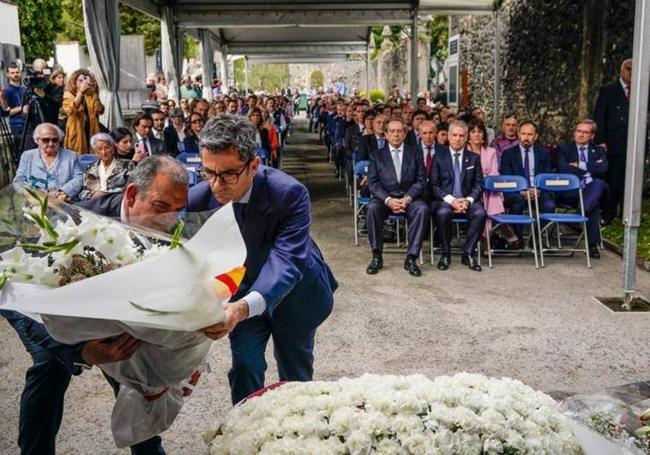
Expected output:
(11, 102)
(83, 107)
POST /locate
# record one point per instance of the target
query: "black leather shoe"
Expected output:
(593, 252)
(513, 246)
(375, 265)
(444, 262)
(411, 266)
(471, 262)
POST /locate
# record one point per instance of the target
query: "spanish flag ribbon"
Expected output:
(229, 282)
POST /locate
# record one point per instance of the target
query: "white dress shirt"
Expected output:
(104, 173)
(450, 198)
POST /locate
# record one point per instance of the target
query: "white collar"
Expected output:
(246, 197)
(395, 149)
(452, 151)
(624, 85)
(430, 147)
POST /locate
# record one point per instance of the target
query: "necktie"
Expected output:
(458, 184)
(145, 147)
(429, 159)
(240, 213)
(527, 166)
(586, 178)
(381, 142)
(397, 161)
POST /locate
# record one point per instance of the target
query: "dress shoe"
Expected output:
(444, 262)
(593, 252)
(411, 266)
(471, 262)
(375, 265)
(515, 245)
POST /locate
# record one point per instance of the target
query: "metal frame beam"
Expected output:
(144, 6)
(253, 60)
(288, 48)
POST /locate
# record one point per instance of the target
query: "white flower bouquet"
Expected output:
(462, 414)
(90, 277)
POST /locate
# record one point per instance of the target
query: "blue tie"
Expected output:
(527, 165)
(458, 184)
(380, 143)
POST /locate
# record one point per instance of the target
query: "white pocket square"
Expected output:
(471, 167)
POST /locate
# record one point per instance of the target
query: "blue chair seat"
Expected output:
(563, 217)
(363, 200)
(506, 218)
(459, 220)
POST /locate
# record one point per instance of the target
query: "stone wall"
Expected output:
(554, 56)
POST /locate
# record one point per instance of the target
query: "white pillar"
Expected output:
(169, 51)
(207, 60)
(414, 57)
(224, 67)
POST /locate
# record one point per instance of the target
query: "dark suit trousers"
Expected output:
(476, 216)
(417, 214)
(591, 196)
(293, 328)
(516, 204)
(616, 180)
(46, 381)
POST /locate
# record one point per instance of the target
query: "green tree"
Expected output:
(73, 22)
(439, 29)
(40, 22)
(317, 79)
(190, 47)
(265, 77)
(136, 23)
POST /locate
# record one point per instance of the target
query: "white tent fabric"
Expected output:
(102, 17)
(207, 61)
(170, 51)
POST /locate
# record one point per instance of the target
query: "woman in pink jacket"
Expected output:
(493, 202)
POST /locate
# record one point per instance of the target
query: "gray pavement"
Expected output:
(543, 327)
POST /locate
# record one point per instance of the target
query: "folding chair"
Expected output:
(192, 164)
(86, 160)
(457, 222)
(560, 183)
(360, 170)
(509, 184)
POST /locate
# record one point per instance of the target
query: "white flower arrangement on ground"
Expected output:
(462, 414)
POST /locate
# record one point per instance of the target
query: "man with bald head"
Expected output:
(397, 180)
(611, 115)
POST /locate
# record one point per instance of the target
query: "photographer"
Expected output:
(81, 104)
(11, 102)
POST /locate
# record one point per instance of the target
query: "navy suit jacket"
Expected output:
(611, 115)
(282, 261)
(367, 145)
(512, 164)
(382, 178)
(171, 140)
(107, 205)
(442, 175)
(596, 160)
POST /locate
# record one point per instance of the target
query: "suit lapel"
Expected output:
(257, 206)
(386, 155)
(519, 161)
(406, 162)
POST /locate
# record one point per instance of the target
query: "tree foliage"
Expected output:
(40, 22)
(136, 23)
(317, 79)
(439, 29)
(267, 77)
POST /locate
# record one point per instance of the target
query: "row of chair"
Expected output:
(540, 224)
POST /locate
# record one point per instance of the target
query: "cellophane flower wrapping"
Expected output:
(90, 277)
(617, 413)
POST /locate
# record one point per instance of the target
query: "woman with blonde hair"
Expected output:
(82, 106)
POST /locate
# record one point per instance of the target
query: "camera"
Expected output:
(36, 79)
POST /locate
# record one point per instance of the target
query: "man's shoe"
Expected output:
(516, 245)
(444, 262)
(411, 266)
(375, 265)
(471, 262)
(594, 253)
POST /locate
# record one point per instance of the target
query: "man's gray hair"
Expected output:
(588, 121)
(101, 137)
(226, 131)
(147, 170)
(41, 126)
(459, 124)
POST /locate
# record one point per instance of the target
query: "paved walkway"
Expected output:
(542, 327)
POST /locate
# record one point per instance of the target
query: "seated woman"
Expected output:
(493, 202)
(123, 140)
(109, 174)
(262, 136)
(192, 129)
(50, 167)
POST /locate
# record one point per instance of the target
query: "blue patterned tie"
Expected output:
(527, 165)
(381, 142)
(458, 184)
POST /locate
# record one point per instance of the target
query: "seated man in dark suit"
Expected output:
(397, 180)
(288, 289)
(144, 142)
(457, 186)
(589, 162)
(372, 142)
(526, 160)
(174, 133)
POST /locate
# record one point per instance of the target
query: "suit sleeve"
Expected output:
(436, 181)
(73, 186)
(374, 183)
(362, 153)
(546, 162)
(599, 166)
(600, 115)
(420, 183)
(563, 162)
(287, 260)
(506, 165)
(477, 188)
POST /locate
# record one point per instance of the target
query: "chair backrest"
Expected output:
(557, 182)
(505, 183)
(189, 158)
(86, 160)
(361, 168)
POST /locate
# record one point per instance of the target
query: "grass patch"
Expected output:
(615, 232)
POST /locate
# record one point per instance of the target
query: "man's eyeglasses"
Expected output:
(226, 177)
(49, 140)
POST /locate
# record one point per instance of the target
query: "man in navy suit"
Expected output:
(372, 142)
(457, 186)
(397, 180)
(287, 290)
(611, 114)
(589, 162)
(427, 147)
(526, 160)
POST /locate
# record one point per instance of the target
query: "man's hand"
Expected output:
(363, 182)
(395, 205)
(235, 313)
(458, 205)
(109, 350)
(574, 164)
